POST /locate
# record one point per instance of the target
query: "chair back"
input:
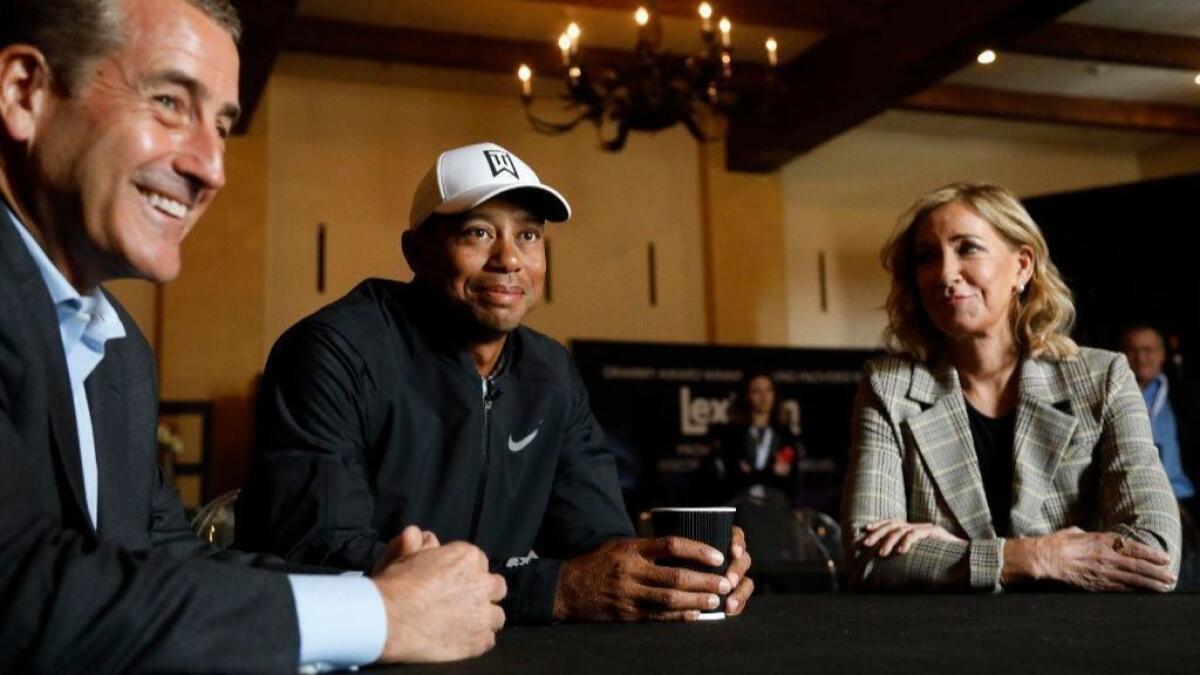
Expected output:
(214, 522)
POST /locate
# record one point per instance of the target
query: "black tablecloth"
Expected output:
(850, 633)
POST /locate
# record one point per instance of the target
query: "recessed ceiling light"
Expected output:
(986, 57)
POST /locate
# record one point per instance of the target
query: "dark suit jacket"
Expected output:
(142, 593)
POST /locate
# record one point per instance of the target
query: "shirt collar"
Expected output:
(1156, 394)
(104, 324)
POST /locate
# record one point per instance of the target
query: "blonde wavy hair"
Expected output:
(1042, 315)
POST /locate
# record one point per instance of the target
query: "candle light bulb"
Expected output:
(573, 31)
(526, 76)
(641, 16)
(986, 57)
(726, 26)
(565, 43)
(772, 51)
(706, 13)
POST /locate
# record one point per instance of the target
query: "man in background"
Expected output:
(1147, 353)
(1171, 426)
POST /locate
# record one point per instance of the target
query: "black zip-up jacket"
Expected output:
(370, 418)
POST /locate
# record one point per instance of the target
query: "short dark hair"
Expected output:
(1136, 326)
(73, 33)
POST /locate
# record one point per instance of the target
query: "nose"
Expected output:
(505, 254)
(203, 158)
(949, 270)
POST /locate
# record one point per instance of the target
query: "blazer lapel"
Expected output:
(43, 320)
(104, 399)
(942, 435)
(1043, 433)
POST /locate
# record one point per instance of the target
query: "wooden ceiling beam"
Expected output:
(1056, 109)
(263, 23)
(818, 15)
(393, 44)
(848, 78)
(1110, 45)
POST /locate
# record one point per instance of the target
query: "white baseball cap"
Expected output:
(466, 177)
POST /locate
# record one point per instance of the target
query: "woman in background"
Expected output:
(758, 455)
(988, 450)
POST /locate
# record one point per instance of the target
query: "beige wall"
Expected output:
(844, 197)
(743, 223)
(1170, 159)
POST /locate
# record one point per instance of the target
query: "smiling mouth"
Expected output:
(164, 204)
(500, 294)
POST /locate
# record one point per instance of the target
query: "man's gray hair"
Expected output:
(73, 33)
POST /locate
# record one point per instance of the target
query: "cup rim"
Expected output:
(694, 509)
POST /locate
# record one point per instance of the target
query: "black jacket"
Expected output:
(371, 418)
(142, 594)
(737, 447)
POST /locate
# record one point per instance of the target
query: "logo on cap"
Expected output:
(500, 162)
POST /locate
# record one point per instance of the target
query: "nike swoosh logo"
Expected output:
(517, 446)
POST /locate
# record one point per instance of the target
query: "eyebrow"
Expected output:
(196, 89)
(955, 238)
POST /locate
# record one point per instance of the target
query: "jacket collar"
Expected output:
(942, 434)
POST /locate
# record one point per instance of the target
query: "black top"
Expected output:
(993, 439)
(371, 417)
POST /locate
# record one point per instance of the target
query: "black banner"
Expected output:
(662, 406)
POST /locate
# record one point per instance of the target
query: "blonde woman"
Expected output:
(988, 450)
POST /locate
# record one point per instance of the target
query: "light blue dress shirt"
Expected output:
(341, 618)
(1166, 435)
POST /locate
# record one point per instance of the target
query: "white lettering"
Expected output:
(696, 414)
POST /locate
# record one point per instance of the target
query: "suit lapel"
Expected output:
(1043, 433)
(942, 435)
(42, 319)
(104, 398)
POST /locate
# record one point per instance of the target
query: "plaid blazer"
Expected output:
(1082, 451)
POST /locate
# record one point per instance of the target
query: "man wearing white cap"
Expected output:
(429, 403)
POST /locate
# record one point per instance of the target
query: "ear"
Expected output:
(25, 88)
(412, 244)
(1025, 264)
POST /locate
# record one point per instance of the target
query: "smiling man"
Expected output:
(430, 403)
(113, 118)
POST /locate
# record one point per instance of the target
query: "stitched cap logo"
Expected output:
(501, 162)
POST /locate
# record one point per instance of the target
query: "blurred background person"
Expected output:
(1147, 353)
(989, 450)
(756, 455)
(1165, 396)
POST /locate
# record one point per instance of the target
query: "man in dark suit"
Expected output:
(113, 115)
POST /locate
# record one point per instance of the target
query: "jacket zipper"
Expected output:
(483, 470)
